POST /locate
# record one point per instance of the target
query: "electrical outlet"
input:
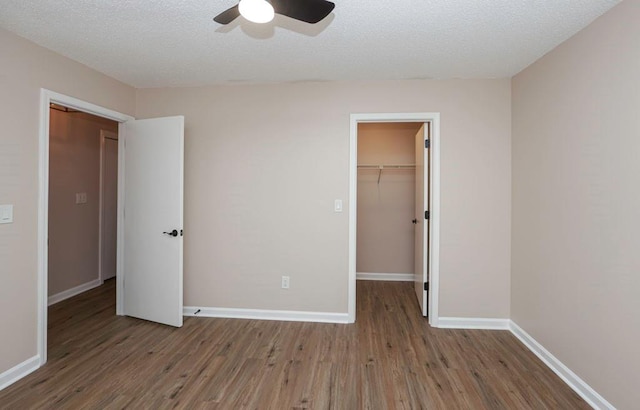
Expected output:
(285, 282)
(81, 198)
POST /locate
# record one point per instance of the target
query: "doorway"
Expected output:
(47, 98)
(146, 168)
(78, 231)
(386, 201)
(429, 125)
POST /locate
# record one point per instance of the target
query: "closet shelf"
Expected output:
(380, 167)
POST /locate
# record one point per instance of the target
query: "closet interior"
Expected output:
(386, 201)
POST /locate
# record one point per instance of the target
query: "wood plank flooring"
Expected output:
(389, 359)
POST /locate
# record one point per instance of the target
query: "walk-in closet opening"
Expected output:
(392, 208)
(82, 214)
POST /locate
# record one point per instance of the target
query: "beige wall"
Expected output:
(576, 203)
(74, 167)
(24, 68)
(265, 163)
(386, 201)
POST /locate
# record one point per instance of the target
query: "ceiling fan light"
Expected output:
(257, 11)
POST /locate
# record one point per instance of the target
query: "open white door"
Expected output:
(421, 263)
(153, 208)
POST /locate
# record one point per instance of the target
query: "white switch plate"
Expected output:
(337, 205)
(6, 214)
(285, 282)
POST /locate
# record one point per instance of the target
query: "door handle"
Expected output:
(415, 221)
(172, 233)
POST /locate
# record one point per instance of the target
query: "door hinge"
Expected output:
(427, 144)
(426, 286)
(426, 214)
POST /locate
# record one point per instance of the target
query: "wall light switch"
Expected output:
(6, 214)
(338, 205)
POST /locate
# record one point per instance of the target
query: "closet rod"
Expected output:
(62, 108)
(383, 166)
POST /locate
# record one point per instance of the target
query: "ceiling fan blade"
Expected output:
(227, 16)
(309, 11)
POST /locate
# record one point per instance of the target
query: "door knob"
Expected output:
(415, 221)
(172, 233)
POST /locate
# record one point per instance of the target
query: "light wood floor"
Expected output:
(389, 359)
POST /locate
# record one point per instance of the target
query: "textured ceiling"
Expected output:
(151, 43)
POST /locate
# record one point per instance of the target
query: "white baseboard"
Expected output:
(472, 323)
(585, 391)
(59, 297)
(576, 383)
(393, 277)
(19, 371)
(259, 314)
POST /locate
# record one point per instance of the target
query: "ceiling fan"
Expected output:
(262, 11)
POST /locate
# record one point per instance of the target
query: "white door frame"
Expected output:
(434, 206)
(46, 98)
(104, 134)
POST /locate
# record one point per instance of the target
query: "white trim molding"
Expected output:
(19, 371)
(69, 293)
(473, 323)
(585, 391)
(104, 135)
(390, 277)
(434, 202)
(260, 314)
